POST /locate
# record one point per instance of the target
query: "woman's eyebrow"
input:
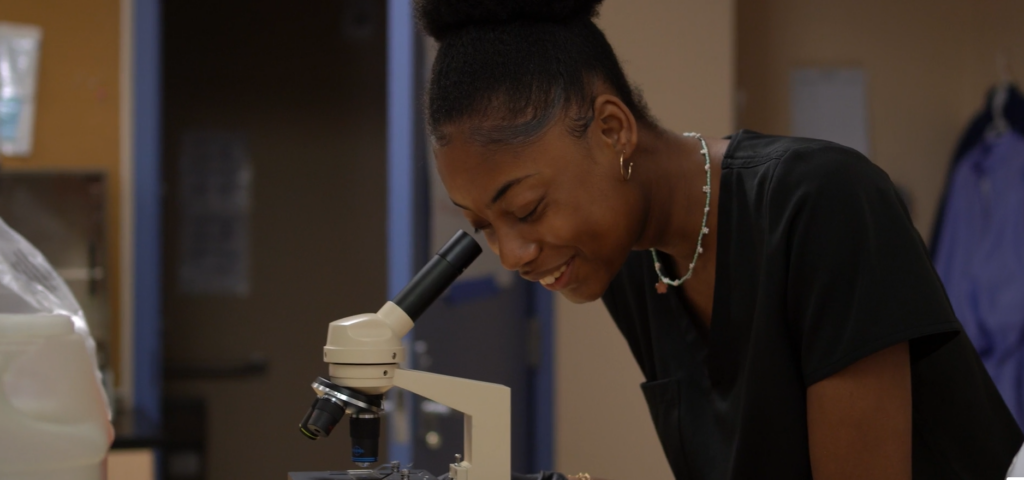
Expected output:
(505, 187)
(508, 186)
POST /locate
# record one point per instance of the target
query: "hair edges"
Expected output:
(579, 115)
(516, 126)
(506, 132)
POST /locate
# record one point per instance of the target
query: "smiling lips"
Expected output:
(548, 280)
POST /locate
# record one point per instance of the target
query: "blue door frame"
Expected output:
(401, 115)
(148, 215)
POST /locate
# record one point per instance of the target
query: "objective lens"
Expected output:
(325, 417)
(364, 428)
(304, 424)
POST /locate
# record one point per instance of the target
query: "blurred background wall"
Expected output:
(928, 66)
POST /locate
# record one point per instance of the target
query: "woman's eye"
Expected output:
(481, 229)
(530, 215)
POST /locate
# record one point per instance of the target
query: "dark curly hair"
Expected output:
(512, 66)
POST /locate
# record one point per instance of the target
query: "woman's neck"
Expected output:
(672, 180)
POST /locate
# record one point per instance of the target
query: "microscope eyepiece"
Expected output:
(439, 273)
(460, 251)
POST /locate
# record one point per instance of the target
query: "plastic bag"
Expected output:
(29, 285)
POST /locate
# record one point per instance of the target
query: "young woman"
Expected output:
(773, 290)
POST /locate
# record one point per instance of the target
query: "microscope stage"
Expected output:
(361, 475)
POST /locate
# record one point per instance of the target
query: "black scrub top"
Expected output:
(818, 266)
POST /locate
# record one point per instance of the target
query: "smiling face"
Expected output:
(555, 206)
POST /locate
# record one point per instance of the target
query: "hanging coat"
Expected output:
(1013, 112)
(980, 258)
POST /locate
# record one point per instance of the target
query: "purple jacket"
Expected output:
(980, 258)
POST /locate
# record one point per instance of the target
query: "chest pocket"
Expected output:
(685, 419)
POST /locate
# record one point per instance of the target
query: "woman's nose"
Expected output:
(515, 251)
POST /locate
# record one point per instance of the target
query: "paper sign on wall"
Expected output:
(214, 196)
(19, 68)
(830, 104)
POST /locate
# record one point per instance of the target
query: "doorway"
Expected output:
(274, 222)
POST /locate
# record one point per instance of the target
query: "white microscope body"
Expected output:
(364, 352)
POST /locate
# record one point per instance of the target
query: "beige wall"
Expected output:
(996, 31)
(928, 63)
(681, 54)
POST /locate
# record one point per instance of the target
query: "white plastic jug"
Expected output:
(53, 419)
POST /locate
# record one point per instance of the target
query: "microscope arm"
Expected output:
(488, 429)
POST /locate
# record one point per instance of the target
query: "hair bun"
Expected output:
(439, 18)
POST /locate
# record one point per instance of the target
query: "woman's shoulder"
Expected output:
(794, 165)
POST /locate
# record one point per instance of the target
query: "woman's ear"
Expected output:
(616, 124)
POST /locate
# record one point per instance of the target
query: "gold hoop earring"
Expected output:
(625, 171)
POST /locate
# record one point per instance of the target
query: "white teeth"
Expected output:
(548, 280)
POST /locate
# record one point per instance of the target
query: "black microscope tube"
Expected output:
(439, 273)
(365, 432)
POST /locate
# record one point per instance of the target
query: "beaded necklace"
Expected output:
(663, 281)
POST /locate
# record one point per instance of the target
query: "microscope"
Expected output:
(364, 352)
